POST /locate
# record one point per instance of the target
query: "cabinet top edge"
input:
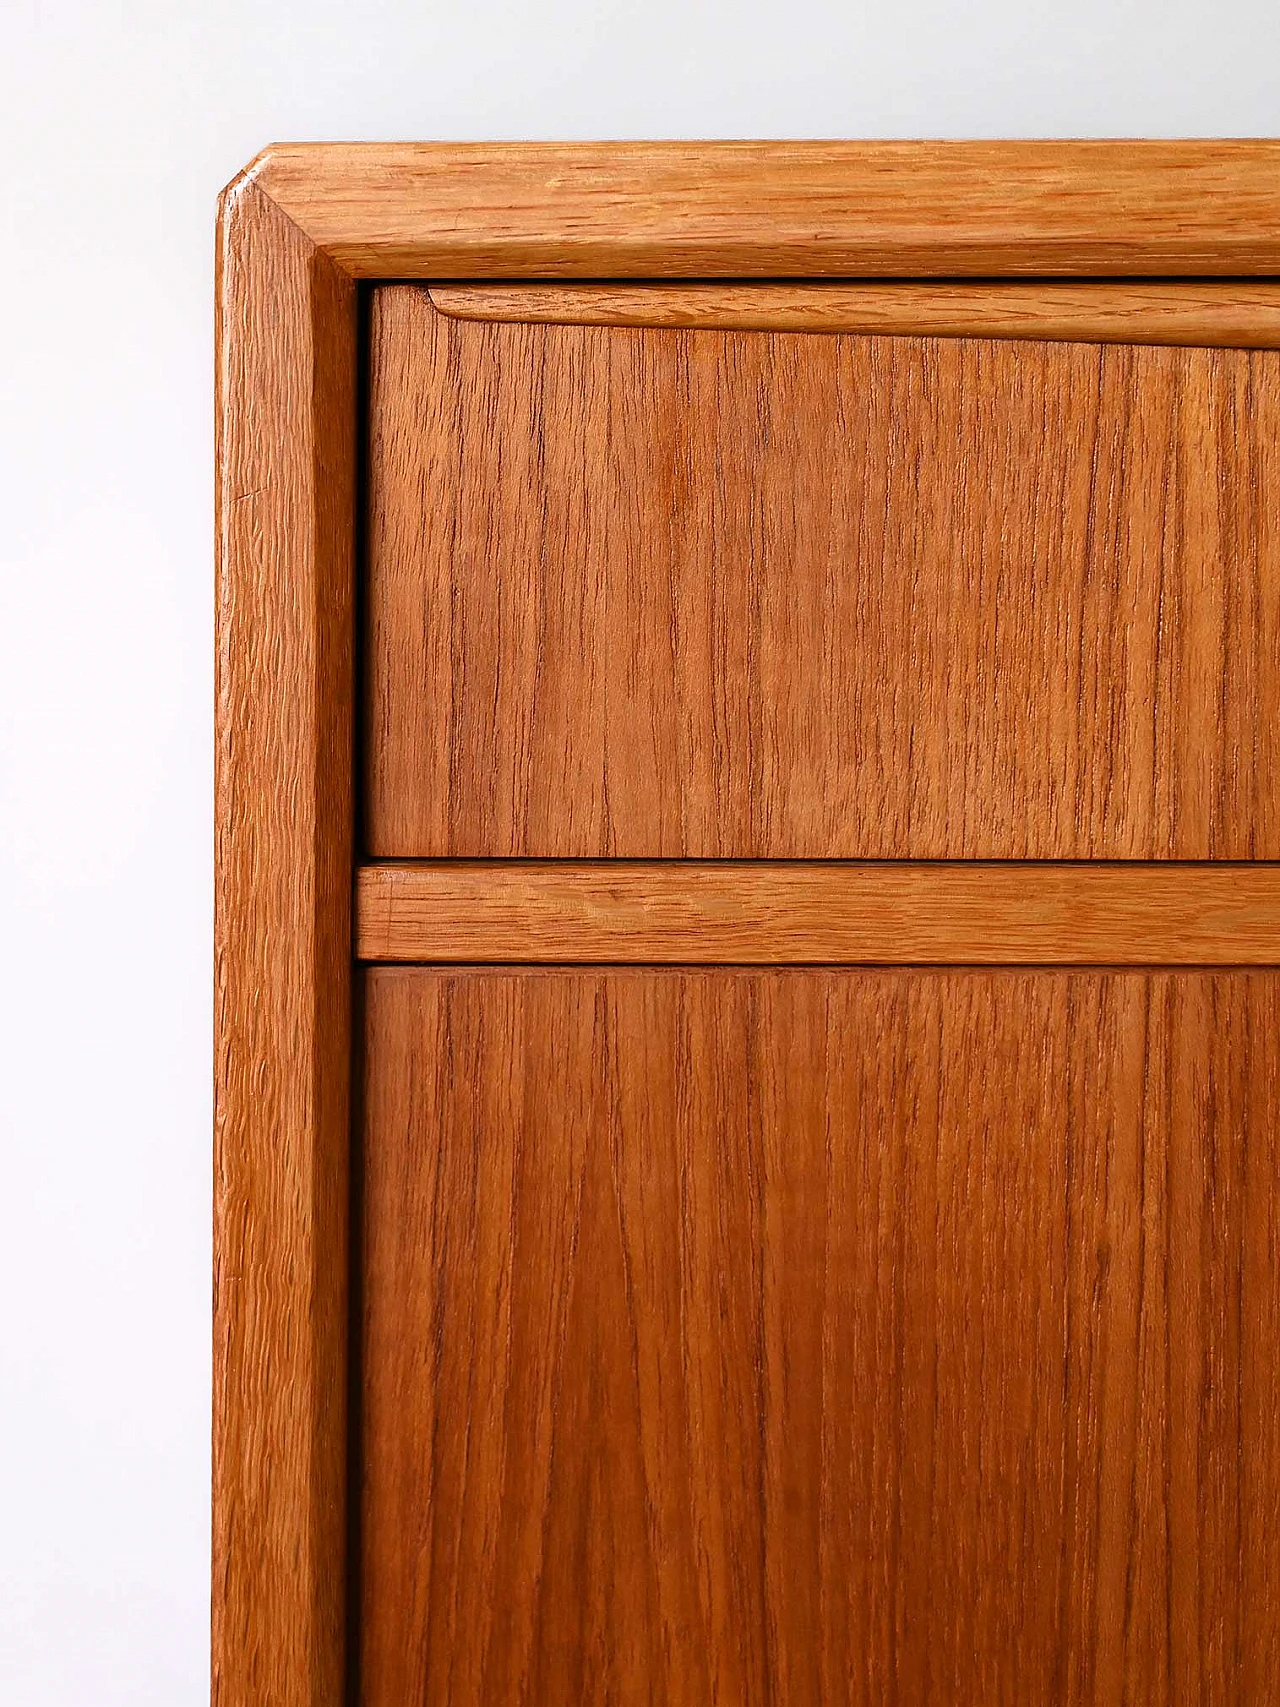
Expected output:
(1100, 207)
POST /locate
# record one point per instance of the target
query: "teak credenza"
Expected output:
(748, 916)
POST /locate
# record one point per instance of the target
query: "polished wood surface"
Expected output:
(783, 209)
(1236, 313)
(286, 371)
(841, 1337)
(724, 1335)
(965, 913)
(671, 593)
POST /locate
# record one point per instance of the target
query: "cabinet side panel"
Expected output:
(820, 1336)
(286, 415)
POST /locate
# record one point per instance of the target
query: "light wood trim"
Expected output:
(286, 410)
(1241, 314)
(709, 912)
(783, 209)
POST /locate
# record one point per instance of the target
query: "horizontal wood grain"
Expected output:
(696, 593)
(1240, 314)
(962, 913)
(770, 209)
(840, 1337)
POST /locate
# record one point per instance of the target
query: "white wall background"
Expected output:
(119, 121)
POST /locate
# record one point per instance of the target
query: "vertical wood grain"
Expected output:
(731, 1337)
(285, 513)
(797, 1336)
(671, 593)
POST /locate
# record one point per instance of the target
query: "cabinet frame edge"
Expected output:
(297, 231)
(775, 209)
(285, 418)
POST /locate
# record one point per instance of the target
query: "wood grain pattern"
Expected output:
(806, 912)
(779, 209)
(1239, 314)
(652, 593)
(815, 1336)
(734, 1337)
(286, 513)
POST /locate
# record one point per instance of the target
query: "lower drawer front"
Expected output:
(819, 1336)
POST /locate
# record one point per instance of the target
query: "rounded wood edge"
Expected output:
(1201, 207)
(1235, 314)
(285, 416)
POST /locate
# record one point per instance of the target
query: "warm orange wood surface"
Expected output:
(726, 594)
(1236, 313)
(783, 209)
(820, 1337)
(286, 378)
(966, 913)
(732, 1336)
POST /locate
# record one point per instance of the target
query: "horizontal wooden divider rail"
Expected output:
(802, 912)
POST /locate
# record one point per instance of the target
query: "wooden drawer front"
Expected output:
(692, 593)
(819, 1336)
